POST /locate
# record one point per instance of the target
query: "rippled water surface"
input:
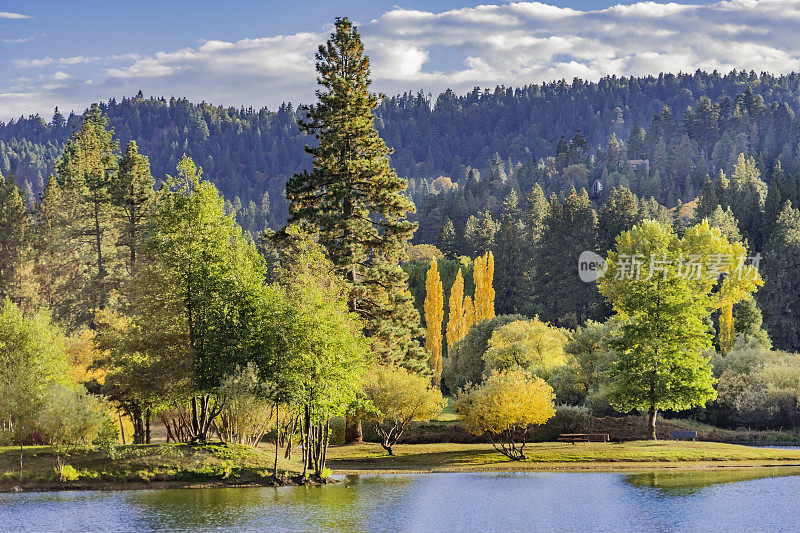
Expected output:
(703, 500)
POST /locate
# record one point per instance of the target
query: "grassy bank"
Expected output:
(162, 465)
(157, 465)
(448, 457)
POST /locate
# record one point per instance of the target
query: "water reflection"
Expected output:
(697, 500)
(687, 482)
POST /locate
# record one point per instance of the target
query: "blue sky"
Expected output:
(261, 53)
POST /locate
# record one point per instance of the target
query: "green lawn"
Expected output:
(549, 455)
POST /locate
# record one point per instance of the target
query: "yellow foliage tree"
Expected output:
(456, 318)
(504, 406)
(483, 273)
(434, 315)
(707, 246)
(398, 397)
(468, 318)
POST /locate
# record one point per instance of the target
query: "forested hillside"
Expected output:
(685, 125)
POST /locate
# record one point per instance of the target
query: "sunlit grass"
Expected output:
(466, 457)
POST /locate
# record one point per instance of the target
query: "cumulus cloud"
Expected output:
(509, 44)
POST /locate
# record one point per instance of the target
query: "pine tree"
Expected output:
(780, 297)
(86, 169)
(448, 241)
(15, 241)
(455, 322)
(354, 199)
(434, 315)
(570, 229)
(619, 213)
(512, 250)
(132, 191)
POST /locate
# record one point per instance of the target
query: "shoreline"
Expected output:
(557, 468)
(158, 467)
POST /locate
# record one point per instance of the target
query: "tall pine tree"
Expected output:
(86, 169)
(132, 191)
(354, 198)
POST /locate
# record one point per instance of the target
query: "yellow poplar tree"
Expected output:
(434, 315)
(468, 318)
(456, 319)
(483, 274)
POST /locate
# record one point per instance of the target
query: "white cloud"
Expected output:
(509, 44)
(19, 40)
(7, 15)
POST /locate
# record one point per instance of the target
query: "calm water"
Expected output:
(733, 500)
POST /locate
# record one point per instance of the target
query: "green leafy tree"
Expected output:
(323, 351)
(663, 334)
(582, 381)
(397, 397)
(214, 281)
(32, 360)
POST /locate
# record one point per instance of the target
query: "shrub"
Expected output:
(247, 412)
(66, 473)
(71, 416)
(757, 387)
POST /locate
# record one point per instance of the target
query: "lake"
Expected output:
(752, 499)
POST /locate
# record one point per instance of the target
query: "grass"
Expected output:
(137, 465)
(446, 457)
(217, 464)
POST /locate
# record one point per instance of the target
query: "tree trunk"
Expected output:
(147, 427)
(651, 422)
(277, 443)
(353, 432)
(21, 455)
(121, 428)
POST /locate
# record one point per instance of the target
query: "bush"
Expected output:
(71, 416)
(757, 387)
(582, 380)
(66, 473)
(247, 412)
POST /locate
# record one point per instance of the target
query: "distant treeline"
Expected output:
(249, 154)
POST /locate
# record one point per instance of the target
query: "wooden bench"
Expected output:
(584, 437)
(677, 435)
